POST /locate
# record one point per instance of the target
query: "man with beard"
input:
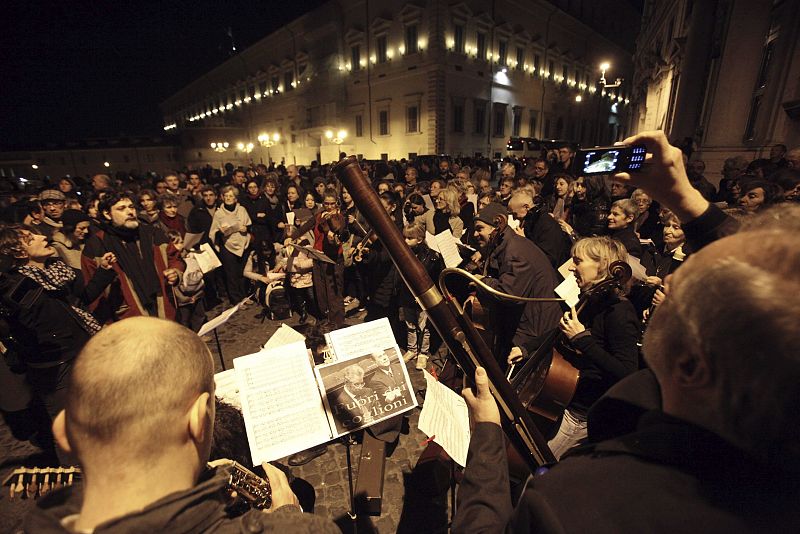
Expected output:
(516, 266)
(147, 263)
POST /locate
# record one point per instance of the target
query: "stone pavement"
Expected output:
(407, 505)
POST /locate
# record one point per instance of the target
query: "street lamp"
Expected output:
(603, 68)
(338, 138)
(266, 140)
(247, 148)
(106, 164)
(578, 98)
(35, 167)
(220, 147)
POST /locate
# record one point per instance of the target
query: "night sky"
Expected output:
(77, 69)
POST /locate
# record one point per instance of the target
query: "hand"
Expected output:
(482, 407)
(282, 494)
(107, 260)
(476, 258)
(515, 356)
(570, 325)
(331, 236)
(172, 276)
(653, 281)
(351, 219)
(663, 177)
(566, 227)
(520, 231)
(288, 241)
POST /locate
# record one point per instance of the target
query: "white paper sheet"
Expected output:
(428, 202)
(564, 271)
(361, 338)
(284, 335)
(281, 402)
(190, 240)
(227, 388)
(445, 244)
(445, 418)
(569, 290)
(219, 320)
(207, 259)
(513, 222)
(637, 269)
(290, 218)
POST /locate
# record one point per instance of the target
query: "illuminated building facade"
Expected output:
(391, 79)
(725, 73)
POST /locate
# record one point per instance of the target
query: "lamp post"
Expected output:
(220, 147)
(267, 140)
(604, 66)
(245, 147)
(337, 138)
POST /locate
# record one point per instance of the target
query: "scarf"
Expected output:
(134, 251)
(230, 207)
(55, 277)
(173, 223)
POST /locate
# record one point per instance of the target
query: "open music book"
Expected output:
(290, 405)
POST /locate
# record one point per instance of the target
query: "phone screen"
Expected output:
(601, 161)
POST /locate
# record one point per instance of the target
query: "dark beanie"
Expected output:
(71, 218)
(490, 212)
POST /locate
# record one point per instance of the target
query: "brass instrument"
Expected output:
(459, 334)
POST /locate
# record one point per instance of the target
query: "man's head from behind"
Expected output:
(141, 392)
(724, 342)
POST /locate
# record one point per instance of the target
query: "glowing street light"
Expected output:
(578, 98)
(338, 138)
(266, 140)
(106, 164)
(35, 167)
(246, 148)
(604, 66)
(220, 146)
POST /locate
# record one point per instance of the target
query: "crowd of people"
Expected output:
(82, 257)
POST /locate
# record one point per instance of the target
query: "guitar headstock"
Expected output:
(35, 482)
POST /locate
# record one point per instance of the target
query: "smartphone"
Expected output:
(608, 160)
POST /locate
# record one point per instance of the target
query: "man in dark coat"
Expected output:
(516, 266)
(687, 440)
(538, 226)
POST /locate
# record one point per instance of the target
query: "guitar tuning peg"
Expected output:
(71, 475)
(32, 487)
(44, 487)
(58, 482)
(20, 487)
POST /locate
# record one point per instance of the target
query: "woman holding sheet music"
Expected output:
(446, 214)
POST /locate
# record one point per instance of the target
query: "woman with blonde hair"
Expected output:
(601, 342)
(446, 214)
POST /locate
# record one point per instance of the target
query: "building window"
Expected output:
(294, 138)
(761, 85)
(520, 57)
(276, 84)
(499, 120)
(262, 86)
(532, 125)
(412, 119)
(288, 80)
(536, 63)
(458, 38)
(383, 122)
(480, 117)
(458, 118)
(481, 45)
(516, 125)
(559, 128)
(355, 57)
(380, 45)
(412, 42)
(359, 126)
(551, 69)
(502, 52)
(564, 74)
(199, 155)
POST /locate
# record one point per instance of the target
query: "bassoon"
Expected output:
(468, 348)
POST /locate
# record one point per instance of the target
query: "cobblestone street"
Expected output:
(403, 510)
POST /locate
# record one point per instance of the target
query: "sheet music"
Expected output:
(190, 240)
(569, 290)
(284, 335)
(473, 197)
(361, 338)
(207, 259)
(281, 402)
(227, 388)
(564, 271)
(445, 418)
(445, 244)
(637, 269)
(219, 320)
(428, 202)
(290, 218)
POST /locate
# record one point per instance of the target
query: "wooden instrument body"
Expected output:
(551, 386)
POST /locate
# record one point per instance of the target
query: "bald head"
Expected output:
(132, 385)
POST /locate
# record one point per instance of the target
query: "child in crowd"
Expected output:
(191, 309)
(298, 266)
(419, 332)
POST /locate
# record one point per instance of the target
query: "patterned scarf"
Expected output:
(55, 277)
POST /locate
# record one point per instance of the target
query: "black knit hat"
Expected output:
(71, 218)
(490, 212)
